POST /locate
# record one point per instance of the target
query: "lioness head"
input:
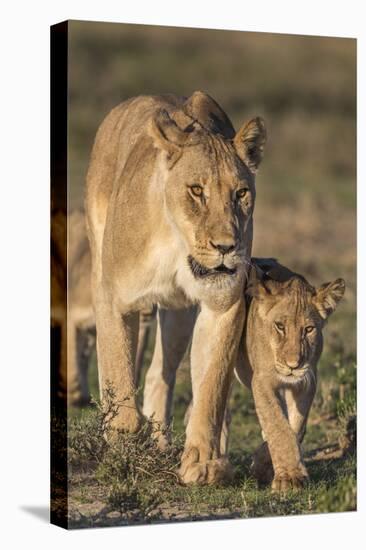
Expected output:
(290, 315)
(209, 189)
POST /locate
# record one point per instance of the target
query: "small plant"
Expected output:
(346, 412)
(341, 497)
(132, 476)
(131, 467)
(136, 471)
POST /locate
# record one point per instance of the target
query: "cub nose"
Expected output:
(293, 363)
(224, 248)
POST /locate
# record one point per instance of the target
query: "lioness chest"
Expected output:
(160, 276)
(163, 276)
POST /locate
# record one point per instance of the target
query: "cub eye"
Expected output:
(280, 326)
(309, 329)
(241, 193)
(196, 190)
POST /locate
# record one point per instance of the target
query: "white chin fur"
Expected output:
(307, 378)
(291, 380)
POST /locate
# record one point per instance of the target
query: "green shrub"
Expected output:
(130, 467)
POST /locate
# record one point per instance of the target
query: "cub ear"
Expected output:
(327, 297)
(250, 141)
(256, 287)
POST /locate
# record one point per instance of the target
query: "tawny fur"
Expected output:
(80, 321)
(281, 346)
(80, 318)
(152, 235)
(71, 305)
(59, 302)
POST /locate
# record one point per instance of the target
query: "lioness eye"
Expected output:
(241, 193)
(280, 326)
(309, 329)
(196, 190)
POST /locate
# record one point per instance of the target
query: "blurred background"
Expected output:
(303, 86)
(305, 214)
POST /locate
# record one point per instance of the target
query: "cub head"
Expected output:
(292, 314)
(208, 174)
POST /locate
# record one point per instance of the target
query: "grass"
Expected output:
(131, 481)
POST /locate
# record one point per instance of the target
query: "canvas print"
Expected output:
(203, 274)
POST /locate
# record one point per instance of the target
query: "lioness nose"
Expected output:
(224, 247)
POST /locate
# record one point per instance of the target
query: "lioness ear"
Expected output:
(327, 297)
(250, 141)
(166, 133)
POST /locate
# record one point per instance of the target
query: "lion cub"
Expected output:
(281, 346)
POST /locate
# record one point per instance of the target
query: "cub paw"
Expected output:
(289, 480)
(208, 472)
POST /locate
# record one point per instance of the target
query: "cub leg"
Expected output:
(173, 334)
(116, 345)
(262, 467)
(298, 402)
(214, 351)
(289, 470)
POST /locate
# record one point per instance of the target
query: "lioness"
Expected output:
(58, 303)
(169, 202)
(71, 306)
(80, 315)
(281, 346)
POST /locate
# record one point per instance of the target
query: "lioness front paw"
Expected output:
(76, 395)
(78, 399)
(162, 439)
(287, 480)
(207, 472)
(128, 420)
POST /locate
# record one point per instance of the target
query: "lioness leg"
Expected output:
(289, 470)
(146, 318)
(214, 349)
(60, 361)
(225, 432)
(173, 334)
(85, 346)
(74, 390)
(117, 342)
